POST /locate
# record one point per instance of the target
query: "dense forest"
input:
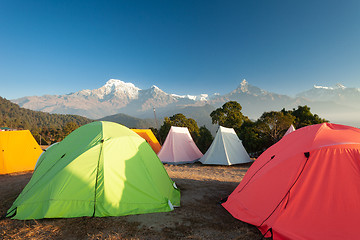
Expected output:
(46, 128)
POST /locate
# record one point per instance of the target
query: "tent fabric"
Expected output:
(226, 149)
(18, 151)
(100, 169)
(149, 136)
(179, 147)
(290, 130)
(47, 149)
(306, 186)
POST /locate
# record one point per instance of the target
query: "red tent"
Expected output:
(306, 186)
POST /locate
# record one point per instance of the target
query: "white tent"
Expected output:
(226, 149)
(179, 147)
(290, 130)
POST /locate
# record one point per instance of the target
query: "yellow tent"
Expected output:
(18, 151)
(148, 135)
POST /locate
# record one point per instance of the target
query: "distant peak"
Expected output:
(119, 83)
(156, 89)
(337, 86)
(201, 97)
(322, 87)
(117, 87)
(114, 82)
(244, 85)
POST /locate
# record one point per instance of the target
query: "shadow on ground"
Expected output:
(199, 217)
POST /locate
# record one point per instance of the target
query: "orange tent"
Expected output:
(148, 135)
(306, 186)
(18, 151)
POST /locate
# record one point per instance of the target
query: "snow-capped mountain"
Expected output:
(338, 93)
(114, 97)
(113, 88)
(336, 104)
(120, 97)
(244, 87)
(255, 101)
(201, 97)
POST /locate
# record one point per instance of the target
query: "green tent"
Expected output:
(100, 169)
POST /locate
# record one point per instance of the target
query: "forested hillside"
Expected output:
(51, 127)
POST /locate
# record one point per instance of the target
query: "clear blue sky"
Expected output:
(58, 47)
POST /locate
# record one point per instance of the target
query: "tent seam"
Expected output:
(307, 155)
(256, 173)
(97, 175)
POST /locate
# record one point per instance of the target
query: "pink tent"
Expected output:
(179, 147)
(306, 186)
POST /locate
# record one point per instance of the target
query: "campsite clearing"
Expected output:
(199, 217)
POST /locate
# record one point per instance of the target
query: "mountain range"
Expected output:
(337, 104)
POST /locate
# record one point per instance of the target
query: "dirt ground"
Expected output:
(199, 217)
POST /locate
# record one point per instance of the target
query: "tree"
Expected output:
(274, 124)
(205, 139)
(69, 127)
(229, 115)
(156, 134)
(252, 138)
(303, 117)
(179, 120)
